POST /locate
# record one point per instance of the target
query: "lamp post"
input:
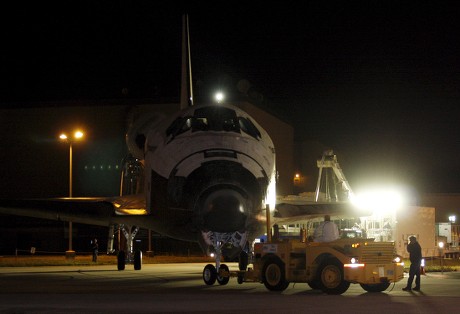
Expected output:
(453, 231)
(77, 135)
(441, 253)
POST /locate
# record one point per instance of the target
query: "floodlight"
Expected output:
(219, 97)
(379, 200)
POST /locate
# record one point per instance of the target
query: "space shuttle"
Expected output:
(208, 176)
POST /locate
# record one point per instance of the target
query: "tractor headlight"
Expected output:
(354, 263)
(398, 260)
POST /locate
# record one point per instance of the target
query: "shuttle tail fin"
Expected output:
(186, 98)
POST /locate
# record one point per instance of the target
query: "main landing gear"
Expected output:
(221, 272)
(129, 255)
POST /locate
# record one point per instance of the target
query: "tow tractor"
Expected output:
(328, 266)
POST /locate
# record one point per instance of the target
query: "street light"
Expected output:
(453, 230)
(441, 252)
(77, 135)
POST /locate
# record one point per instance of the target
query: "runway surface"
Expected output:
(175, 288)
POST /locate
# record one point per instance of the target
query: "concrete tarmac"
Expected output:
(179, 288)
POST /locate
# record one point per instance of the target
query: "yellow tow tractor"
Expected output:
(328, 266)
(331, 267)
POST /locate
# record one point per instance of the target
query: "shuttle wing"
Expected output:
(297, 210)
(94, 211)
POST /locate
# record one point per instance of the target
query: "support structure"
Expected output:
(331, 180)
(111, 240)
(130, 233)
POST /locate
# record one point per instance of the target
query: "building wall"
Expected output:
(418, 221)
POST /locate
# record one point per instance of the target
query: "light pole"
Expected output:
(441, 253)
(453, 231)
(77, 135)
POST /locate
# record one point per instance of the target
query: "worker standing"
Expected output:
(95, 249)
(415, 256)
(327, 231)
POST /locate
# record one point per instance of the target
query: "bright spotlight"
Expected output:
(379, 200)
(219, 97)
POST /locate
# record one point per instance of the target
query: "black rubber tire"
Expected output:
(138, 260)
(273, 275)
(121, 260)
(243, 260)
(223, 280)
(209, 274)
(331, 277)
(376, 288)
(315, 285)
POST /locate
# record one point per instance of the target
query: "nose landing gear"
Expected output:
(221, 272)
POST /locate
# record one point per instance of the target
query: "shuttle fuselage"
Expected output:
(209, 168)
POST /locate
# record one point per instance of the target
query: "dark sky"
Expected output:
(376, 81)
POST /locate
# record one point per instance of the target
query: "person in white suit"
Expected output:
(327, 231)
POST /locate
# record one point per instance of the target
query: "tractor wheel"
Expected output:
(273, 275)
(331, 277)
(315, 285)
(376, 288)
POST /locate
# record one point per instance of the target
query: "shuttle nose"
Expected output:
(224, 210)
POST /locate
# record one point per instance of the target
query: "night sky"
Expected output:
(376, 81)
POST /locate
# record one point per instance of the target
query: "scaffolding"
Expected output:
(332, 186)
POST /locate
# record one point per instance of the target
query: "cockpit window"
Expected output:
(215, 119)
(180, 125)
(200, 124)
(248, 127)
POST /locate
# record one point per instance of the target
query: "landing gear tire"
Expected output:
(331, 277)
(121, 260)
(138, 260)
(273, 275)
(209, 274)
(223, 280)
(243, 263)
(376, 288)
(243, 260)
